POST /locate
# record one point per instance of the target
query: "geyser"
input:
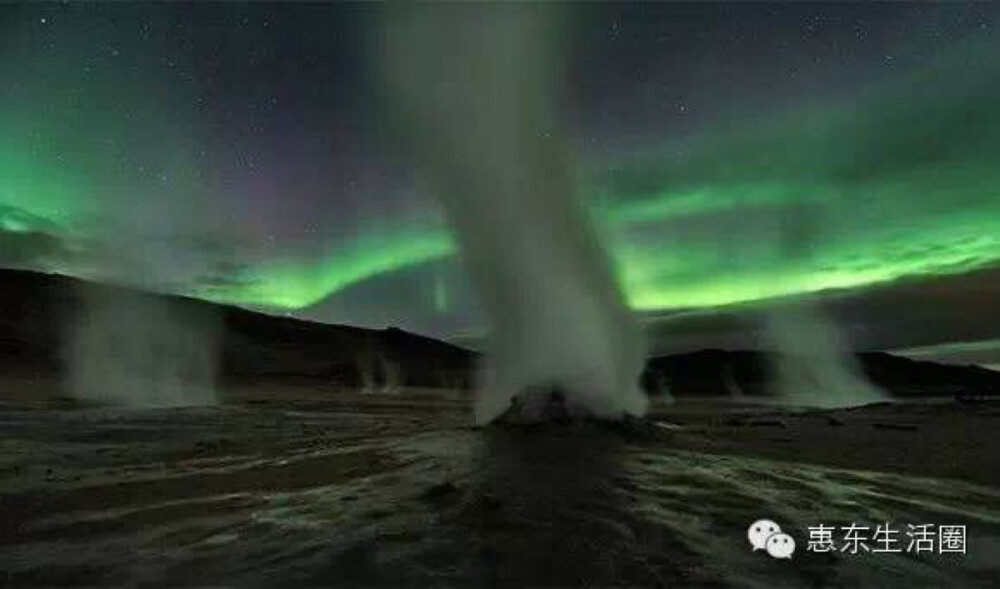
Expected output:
(813, 364)
(139, 351)
(476, 88)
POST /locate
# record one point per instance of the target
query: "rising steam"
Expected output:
(132, 349)
(813, 365)
(137, 351)
(476, 87)
(129, 348)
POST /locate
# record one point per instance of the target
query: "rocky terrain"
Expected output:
(295, 486)
(347, 457)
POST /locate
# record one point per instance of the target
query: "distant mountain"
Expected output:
(37, 311)
(725, 373)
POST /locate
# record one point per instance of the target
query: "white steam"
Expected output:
(127, 347)
(476, 87)
(137, 351)
(814, 366)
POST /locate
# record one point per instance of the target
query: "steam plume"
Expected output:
(137, 351)
(814, 364)
(476, 86)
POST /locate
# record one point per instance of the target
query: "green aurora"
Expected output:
(900, 182)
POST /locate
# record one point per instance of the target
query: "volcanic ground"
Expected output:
(305, 485)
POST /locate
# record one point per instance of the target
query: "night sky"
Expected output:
(734, 156)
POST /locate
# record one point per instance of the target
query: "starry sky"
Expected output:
(735, 158)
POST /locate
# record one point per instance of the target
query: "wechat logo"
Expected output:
(766, 535)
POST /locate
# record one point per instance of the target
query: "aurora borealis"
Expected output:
(731, 154)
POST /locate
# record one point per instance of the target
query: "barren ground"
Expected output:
(308, 485)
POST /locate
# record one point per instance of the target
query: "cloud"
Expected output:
(30, 249)
(170, 260)
(225, 275)
(30, 241)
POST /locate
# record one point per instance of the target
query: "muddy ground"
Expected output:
(298, 485)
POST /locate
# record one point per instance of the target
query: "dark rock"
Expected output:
(488, 503)
(896, 426)
(755, 422)
(551, 408)
(766, 422)
(439, 493)
(539, 405)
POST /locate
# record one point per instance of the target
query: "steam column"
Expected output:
(475, 88)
